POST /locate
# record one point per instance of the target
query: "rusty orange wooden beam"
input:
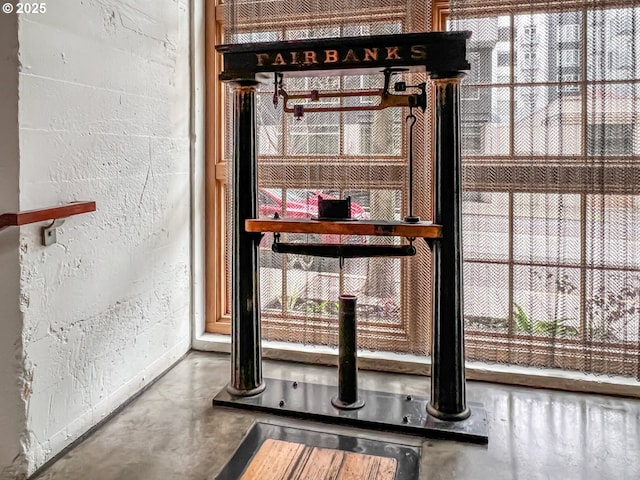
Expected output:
(43, 214)
(356, 227)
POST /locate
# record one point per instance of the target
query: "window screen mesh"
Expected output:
(551, 174)
(550, 169)
(359, 154)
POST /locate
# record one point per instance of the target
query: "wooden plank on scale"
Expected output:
(356, 227)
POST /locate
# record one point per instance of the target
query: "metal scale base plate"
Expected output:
(382, 411)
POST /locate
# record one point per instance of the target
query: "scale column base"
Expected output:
(448, 417)
(336, 402)
(246, 393)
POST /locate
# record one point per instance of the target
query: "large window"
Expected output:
(361, 154)
(551, 207)
(550, 214)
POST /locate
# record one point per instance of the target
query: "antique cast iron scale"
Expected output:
(442, 55)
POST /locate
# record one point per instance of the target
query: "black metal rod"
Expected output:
(413, 120)
(448, 384)
(411, 218)
(347, 362)
(347, 369)
(334, 250)
(246, 354)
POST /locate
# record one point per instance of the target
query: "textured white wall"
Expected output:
(104, 116)
(12, 412)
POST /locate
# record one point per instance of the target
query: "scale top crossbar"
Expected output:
(429, 51)
(358, 227)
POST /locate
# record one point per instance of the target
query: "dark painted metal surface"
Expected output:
(336, 250)
(347, 397)
(246, 355)
(411, 119)
(382, 411)
(334, 209)
(448, 389)
(431, 51)
(408, 457)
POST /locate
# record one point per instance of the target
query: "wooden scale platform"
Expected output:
(361, 227)
(442, 55)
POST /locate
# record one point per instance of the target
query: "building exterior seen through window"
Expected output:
(549, 146)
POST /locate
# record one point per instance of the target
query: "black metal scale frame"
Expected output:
(445, 413)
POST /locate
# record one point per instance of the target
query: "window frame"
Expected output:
(217, 307)
(218, 318)
(569, 82)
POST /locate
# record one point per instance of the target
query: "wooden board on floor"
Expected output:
(281, 460)
(282, 452)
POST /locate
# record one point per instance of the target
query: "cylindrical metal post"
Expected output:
(246, 352)
(448, 385)
(347, 364)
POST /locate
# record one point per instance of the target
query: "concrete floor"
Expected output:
(172, 432)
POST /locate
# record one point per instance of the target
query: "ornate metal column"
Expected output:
(448, 385)
(246, 351)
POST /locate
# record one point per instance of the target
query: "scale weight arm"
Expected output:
(332, 250)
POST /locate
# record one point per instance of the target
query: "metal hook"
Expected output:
(411, 218)
(277, 83)
(413, 119)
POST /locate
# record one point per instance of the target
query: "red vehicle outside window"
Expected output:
(302, 204)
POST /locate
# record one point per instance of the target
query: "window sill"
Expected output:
(416, 365)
